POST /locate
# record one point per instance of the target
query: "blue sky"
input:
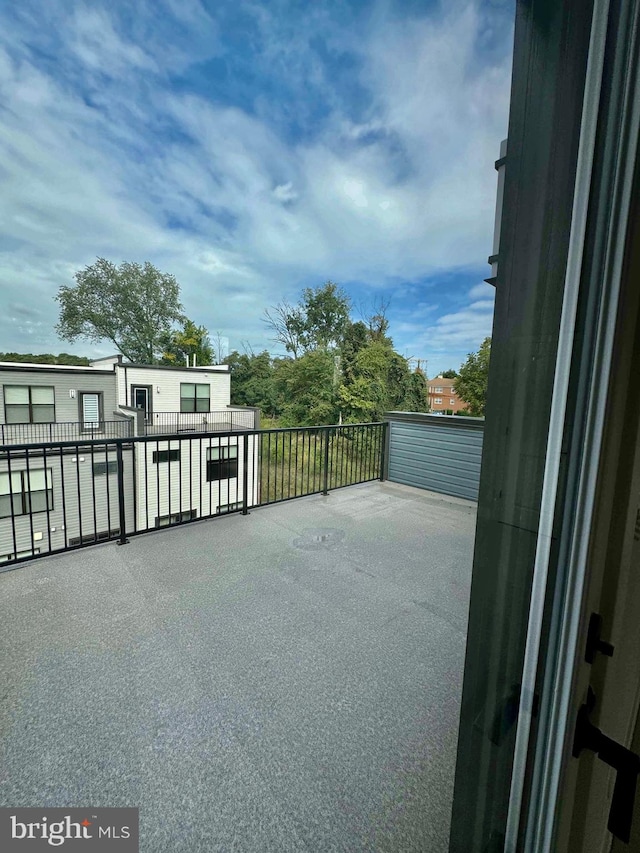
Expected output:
(252, 149)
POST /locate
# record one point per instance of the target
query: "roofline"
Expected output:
(218, 368)
(30, 367)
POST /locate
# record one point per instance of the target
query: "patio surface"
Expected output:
(285, 681)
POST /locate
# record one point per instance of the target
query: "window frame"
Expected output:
(19, 555)
(24, 496)
(224, 509)
(185, 408)
(30, 403)
(226, 464)
(111, 467)
(172, 454)
(179, 518)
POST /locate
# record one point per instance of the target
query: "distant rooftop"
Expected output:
(107, 365)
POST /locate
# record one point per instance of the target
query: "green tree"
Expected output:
(132, 306)
(307, 389)
(380, 380)
(252, 382)
(288, 326)
(471, 383)
(318, 321)
(45, 358)
(449, 374)
(190, 340)
(326, 312)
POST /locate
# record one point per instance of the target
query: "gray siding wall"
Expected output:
(442, 454)
(71, 475)
(67, 408)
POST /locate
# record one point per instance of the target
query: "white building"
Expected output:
(58, 491)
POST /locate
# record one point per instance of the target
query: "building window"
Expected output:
(194, 398)
(452, 402)
(166, 456)
(29, 404)
(438, 390)
(90, 403)
(7, 558)
(176, 518)
(230, 507)
(222, 462)
(26, 492)
(100, 536)
(438, 401)
(101, 468)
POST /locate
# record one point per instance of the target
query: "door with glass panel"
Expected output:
(548, 744)
(140, 399)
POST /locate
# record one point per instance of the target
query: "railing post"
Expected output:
(245, 474)
(325, 489)
(121, 507)
(384, 450)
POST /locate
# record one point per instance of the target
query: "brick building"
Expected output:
(443, 397)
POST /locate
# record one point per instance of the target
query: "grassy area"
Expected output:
(293, 463)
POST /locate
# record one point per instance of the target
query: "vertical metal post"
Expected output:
(325, 490)
(121, 510)
(245, 474)
(383, 450)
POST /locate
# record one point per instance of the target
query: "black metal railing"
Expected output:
(63, 431)
(165, 423)
(64, 495)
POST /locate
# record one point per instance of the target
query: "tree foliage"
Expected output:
(46, 358)
(133, 306)
(307, 389)
(471, 383)
(190, 340)
(449, 374)
(287, 324)
(252, 382)
(378, 379)
(318, 321)
(326, 314)
(338, 370)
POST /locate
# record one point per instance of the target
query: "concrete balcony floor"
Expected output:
(285, 681)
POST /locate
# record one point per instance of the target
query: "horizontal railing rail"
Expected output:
(173, 422)
(59, 496)
(63, 431)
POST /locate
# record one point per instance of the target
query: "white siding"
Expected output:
(166, 488)
(165, 384)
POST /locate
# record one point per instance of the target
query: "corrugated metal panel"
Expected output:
(444, 459)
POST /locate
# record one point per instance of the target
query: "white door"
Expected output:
(91, 411)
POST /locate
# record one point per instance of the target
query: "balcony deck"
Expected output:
(285, 681)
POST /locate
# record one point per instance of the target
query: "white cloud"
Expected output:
(135, 169)
(285, 192)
